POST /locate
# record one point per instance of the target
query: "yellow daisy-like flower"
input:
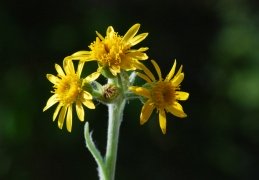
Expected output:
(162, 94)
(68, 90)
(114, 51)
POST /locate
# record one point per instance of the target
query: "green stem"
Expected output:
(115, 117)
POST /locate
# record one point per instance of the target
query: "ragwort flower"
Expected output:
(68, 90)
(114, 51)
(161, 94)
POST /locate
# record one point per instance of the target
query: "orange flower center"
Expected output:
(163, 94)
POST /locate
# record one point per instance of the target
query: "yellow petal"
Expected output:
(130, 33)
(51, 101)
(87, 95)
(109, 31)
(157, 69)
(68, 66)
(138, 55)
(56, 111)
(61, 117)
(92, 77)
(69, 118)
(137, 39)
(140, 91)
(143, 76)
(80, 111)
(146, 112)
(81, 53)
(179, 71)
(89, 104)
(177, 79)
(171, 73)
(142, 49)
(162, 121)
(80, 68)
(182, 96)
(176, 110)
(146, 70)
(99, 35)
(59, 70)
(53, 79)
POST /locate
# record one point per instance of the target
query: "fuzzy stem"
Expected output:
(115, 117)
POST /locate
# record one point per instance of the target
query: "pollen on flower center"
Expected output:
(68, 89)
(163, 94)
(108, 51)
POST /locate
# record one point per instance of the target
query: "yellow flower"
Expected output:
(114, 51)
(162, 94)
(68, 90)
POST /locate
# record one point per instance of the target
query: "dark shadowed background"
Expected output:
(216, 41)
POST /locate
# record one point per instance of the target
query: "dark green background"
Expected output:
(216, 41)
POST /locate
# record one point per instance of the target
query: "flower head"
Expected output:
(114, 51)
(68, 90)
(161, 94)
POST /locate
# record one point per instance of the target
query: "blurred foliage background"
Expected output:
(216, 41)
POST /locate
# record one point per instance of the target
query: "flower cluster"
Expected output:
(116, 58)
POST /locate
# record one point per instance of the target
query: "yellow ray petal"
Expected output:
(53, 79)
(140, 91)
(92, 77)
(81, 53)
(157, 69)
(146, 112)
(80, 68)
(179, 71)
(130, 33)
(177, 79)
(61, 117)
(162, 121)
(56, 111)
(137, 39)
(87, 95)
(146, 70)
(89, 104)
(182, 96)
(145, 77)
(99, 35)
(68, 66)
(138, 55)
(171, 73)
(176, 111)
(69, 118)
(80, 111)
(51, 101)
(109, 31)
(59, 70)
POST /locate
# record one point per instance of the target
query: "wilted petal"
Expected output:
(162, 121)
(146, 111)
